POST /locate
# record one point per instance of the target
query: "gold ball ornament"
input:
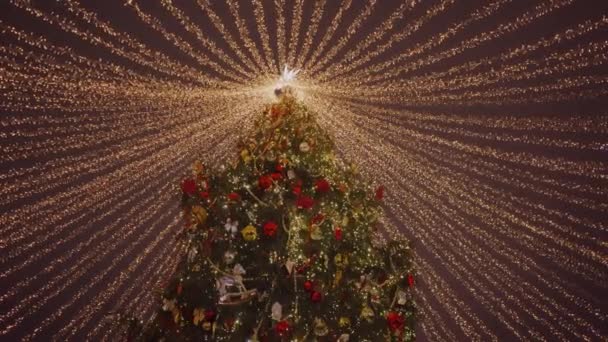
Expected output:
(341, 260)
(207, 326)
(367, 314)
(250, 233)
(198, 316)
(320, 327)
(315, 232)
(197, 167)
(337, 278)
(283, 160)
(344, 322)
(375, 295)
(344, 221)
(245, 155)
(199, 213)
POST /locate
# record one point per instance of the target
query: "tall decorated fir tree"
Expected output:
(281, 247)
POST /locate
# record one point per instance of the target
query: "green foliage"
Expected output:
(286, 223)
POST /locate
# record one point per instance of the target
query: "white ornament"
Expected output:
(238, 270)
(168, 305)
(343, 338)
(289, 266)
(271, 156)
(224, 298)
(401, 298)
(375, 295)
(277, 311)
(223, 283)
(231, 227)
(192, 254)
(229, 257)
(304, 147)
(364, 284)
(291, 174)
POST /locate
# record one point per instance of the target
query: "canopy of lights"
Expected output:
(486, 122)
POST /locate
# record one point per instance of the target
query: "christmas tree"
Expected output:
(283, 245)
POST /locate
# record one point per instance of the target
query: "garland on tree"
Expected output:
(280, 247)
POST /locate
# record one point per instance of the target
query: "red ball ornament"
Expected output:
(270, 228)
(410, 280)
(308, 285)
(322, 185)
(316, 296)
(276, 176)
(209, 315)
(338, 233)
(380, 193)
(305, 202)
(317, 219)
(229, 322)
(204, 194)
(265, 182)
(279, 167)
(189, 187)
(297, 190)
(282, 328)
(395, 321)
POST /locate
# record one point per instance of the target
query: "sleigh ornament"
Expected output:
(233, 292)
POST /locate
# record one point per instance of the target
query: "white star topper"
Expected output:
(288, 75)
